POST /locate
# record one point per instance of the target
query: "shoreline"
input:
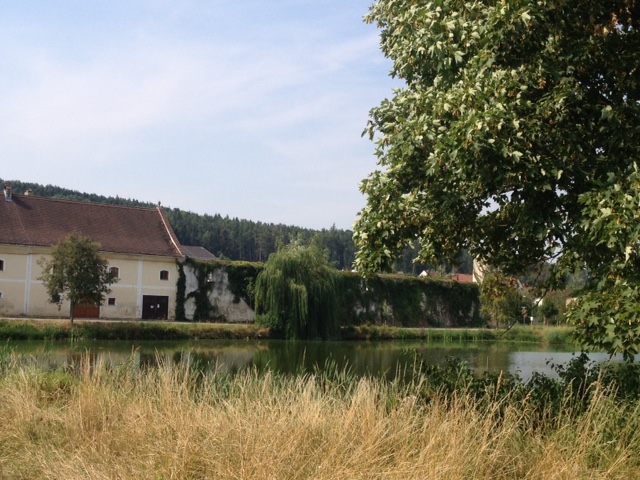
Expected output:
(62, 329)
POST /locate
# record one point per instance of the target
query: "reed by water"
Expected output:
(94, 420)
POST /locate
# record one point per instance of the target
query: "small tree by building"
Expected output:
(76, 272)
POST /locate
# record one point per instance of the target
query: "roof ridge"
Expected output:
(38, 221)
(66, 200)
(167, 226)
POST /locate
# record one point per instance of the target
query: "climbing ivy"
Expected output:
(205, 310)
(181, 290)
(241, 277)
(398, 300)
(407, 301)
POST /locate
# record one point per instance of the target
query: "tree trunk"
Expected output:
(71, 312)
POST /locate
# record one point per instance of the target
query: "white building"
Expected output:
(138, 243)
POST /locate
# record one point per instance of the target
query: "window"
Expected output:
(111, 302)
(1, 265)
(0, 295)
(164, 274)
(115, 271)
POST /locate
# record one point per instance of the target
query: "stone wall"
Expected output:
(225, 305)
(221, 292)
(408, 301)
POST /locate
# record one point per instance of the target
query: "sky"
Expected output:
(245, 108)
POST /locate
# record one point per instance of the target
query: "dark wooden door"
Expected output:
(86, 310)
(155, 307)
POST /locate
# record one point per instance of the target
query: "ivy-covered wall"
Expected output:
(408, 301)
(223, 292)
(216, 291)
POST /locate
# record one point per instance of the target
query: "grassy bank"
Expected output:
(538, 334)
(97, 421)
(91, 330)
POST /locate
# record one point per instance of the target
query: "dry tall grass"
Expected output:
(170, 423)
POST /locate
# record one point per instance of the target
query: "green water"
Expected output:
(362, 358)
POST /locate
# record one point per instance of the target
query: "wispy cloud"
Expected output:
(276, 108)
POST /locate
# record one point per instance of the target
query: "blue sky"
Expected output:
(246, 108)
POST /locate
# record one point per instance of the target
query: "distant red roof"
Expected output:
(37, 221)
(463, 278)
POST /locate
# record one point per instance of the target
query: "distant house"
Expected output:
(479, 270)
(139, 244)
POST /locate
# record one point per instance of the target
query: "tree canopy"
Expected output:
(76, 272)
(517, 137)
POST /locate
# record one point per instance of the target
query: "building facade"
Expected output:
(138, 243)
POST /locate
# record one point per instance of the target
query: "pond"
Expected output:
(361, 358)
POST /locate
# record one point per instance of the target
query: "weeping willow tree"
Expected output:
(296, 293)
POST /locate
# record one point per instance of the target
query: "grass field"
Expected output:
(97, 421)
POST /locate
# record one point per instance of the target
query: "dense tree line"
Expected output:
(227, 238)
(238, 239)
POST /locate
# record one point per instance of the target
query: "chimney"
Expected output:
(28, 193)
(8, 196)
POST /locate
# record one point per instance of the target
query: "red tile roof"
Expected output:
(37, 221)
(463, 278)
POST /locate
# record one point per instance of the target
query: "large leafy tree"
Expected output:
(517, 136)
(77, 272)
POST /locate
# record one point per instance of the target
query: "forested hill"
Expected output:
(225, 237)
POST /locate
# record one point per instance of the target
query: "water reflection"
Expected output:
(362, 358)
